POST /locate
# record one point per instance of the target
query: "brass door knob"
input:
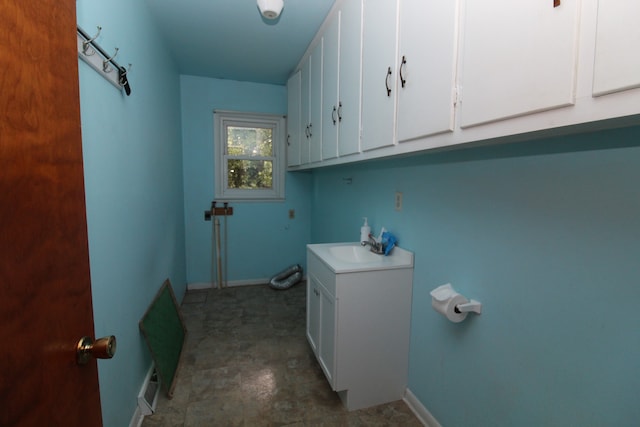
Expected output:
(102, 348)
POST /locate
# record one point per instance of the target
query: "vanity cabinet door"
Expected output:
(313, 312)
(326, 354)
(518, 58)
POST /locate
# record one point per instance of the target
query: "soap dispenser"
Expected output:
(365, 230)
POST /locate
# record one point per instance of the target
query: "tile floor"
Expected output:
(247, 363)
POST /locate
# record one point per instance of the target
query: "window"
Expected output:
(249, 156)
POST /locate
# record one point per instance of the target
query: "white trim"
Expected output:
(143, 407)
(419, 410)
(208, 285)
(196, 286)
(221, 120)
(136, 420)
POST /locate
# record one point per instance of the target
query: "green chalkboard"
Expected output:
(164, 331)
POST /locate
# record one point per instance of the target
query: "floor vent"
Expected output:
(148, 396)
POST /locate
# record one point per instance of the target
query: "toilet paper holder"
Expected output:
(471, 306)
(455, 307)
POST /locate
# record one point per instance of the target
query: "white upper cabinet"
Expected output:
(305, 107)
(379, 65)
(350, 81)
(330, 95)
(426, 78)
(519, 57)
(293, 120)
(315, 109)
(311, 107)
(393, 77)
(342, 82)
(617, 65)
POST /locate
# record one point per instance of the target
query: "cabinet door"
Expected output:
(315, 96)
(616, 67)
(331, 52)
(305, 106)
(326, 354)
(313, 312)
(519, 57)
(350, 83)
(426, 79)
(379, 43)
(293, 120)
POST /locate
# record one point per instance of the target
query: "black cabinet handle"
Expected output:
(402, 79)
(340, 111)
(386, 82)
(333, 115)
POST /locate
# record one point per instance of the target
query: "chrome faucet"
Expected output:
(376, 247)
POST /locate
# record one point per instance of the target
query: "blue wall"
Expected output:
(262, 239)
(134, 194)
(546, 234)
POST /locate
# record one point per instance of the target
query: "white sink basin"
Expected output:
(350, 257)
(353, 253)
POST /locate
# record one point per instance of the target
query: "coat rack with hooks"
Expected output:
(94, 55)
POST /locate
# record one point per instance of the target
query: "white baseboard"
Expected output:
(136, 420)
(230, 284)
(147, 398)
(419, 410)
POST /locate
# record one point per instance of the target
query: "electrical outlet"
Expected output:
(292, 213)
(398, 202)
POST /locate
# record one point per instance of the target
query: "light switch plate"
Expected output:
(398, 202)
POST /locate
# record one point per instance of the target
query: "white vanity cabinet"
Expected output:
(518, 58)
(358, 325)
(341, 84)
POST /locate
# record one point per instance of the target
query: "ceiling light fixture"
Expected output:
(270, 9)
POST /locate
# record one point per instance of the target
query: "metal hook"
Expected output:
(123, 74)
(86, 43)
(105, 63)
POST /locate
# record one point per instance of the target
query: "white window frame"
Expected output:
(221, 121)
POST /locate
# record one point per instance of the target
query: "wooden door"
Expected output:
(45, 290)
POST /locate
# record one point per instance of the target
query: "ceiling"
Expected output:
(229, 39)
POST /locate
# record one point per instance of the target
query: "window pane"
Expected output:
(250, 174)
(249, 141)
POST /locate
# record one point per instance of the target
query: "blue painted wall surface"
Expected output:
(546, 234)
(134, 193)
(262, 239)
